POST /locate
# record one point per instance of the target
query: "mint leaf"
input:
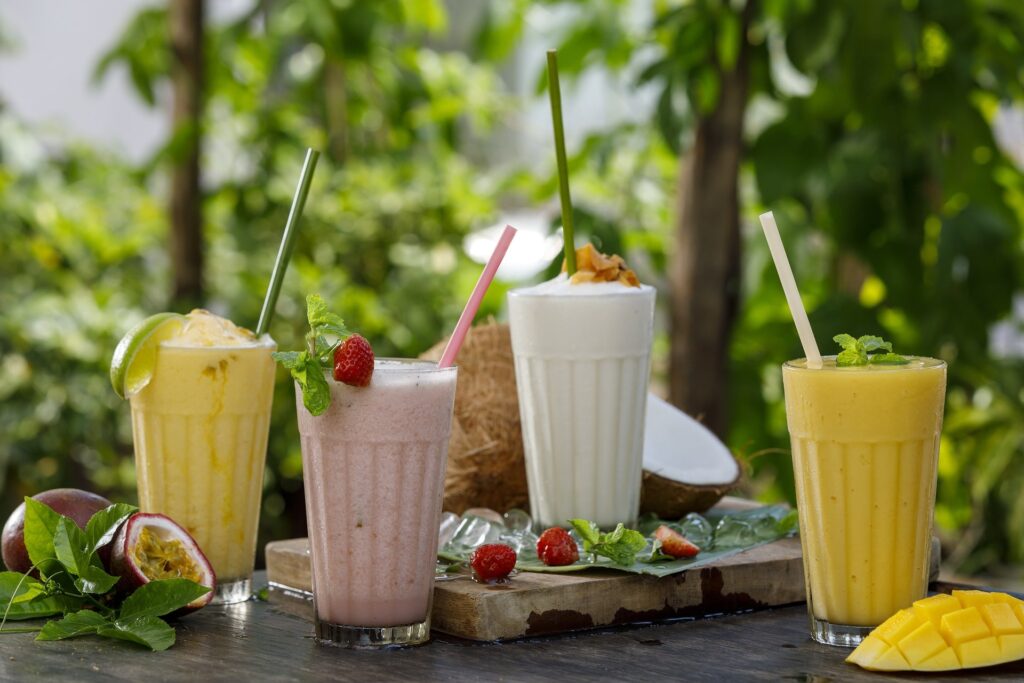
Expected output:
(588, 531)
(160, 597)
(621, 545)
(322, 320)
(104, 524)
(40, 526)
(888, 359)
(151, 632)
(865, 350)
(846, 341)
(78, 623)
(870, 343)
(290, 359)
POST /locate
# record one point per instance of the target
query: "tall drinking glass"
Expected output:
(582, 357)
(373, 469)
(865, 448)
(200, 430)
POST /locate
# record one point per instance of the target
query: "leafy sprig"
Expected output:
(866, 350)
(619, 545)
(73, 583)
(326, 332)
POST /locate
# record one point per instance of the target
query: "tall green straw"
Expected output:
(284, 253)
(563, 165)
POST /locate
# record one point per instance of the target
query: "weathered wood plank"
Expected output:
(256, 642)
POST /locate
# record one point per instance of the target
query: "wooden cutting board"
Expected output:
(535, 604)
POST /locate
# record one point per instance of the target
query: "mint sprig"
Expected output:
(326, 332)
(866, 350)
(619, 545)
(74, 585)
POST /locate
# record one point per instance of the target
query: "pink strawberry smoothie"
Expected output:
(374, 466)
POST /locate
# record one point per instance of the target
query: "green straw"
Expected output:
(284, 253)
(563, 165)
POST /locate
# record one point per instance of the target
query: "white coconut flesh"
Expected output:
(679, 448)
(161, 549)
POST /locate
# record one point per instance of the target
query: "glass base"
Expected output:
(371, 637)
(232, 592)
(839, 635)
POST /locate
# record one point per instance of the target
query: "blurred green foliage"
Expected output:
(902, 215)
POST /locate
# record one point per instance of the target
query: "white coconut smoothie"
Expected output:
(582, 358)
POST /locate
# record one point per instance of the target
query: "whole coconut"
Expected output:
(74, 503)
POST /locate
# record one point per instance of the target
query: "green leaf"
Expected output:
(18, 587)
(75, 624)
(846, 341)
(103, 525)
(321, 319)
(70, 546)
(149, 631)
(40, 525)
(290, 359)
(316, 393)
(888, 359)
(161, 597)
(587, 530)
(871, 343)
(621, 545)
(851, 357)
(94, 580)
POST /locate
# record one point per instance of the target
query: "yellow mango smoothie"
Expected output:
(865, 443)
(200, 430)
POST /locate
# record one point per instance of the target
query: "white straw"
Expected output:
(796, 305)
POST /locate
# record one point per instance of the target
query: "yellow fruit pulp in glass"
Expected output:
(200, 430)
(865, 448)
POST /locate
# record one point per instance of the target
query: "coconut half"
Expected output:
(686, 467)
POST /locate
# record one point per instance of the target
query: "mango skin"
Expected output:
(965, 630)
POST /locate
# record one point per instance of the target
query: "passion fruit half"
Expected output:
(151, 546)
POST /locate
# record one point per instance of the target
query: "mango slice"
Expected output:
(964, 630)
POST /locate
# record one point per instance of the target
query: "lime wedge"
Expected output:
(131, 368)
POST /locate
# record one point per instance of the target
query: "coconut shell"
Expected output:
(670, 499)
(485, 454)
(486, 467)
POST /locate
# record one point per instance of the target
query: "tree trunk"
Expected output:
(186, 19)
(705, 270)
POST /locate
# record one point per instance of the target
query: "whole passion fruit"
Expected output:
(74, 503)
(151, 546)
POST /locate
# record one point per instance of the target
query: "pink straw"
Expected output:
(473, 305)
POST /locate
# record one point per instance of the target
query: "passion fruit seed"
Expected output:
(160, 558)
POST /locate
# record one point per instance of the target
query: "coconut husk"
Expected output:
(486, 467)
(485, 454)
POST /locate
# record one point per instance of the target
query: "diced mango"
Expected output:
(870, 649)
(981, 652)
(1001, 619)
(897, 627)
(1012, 646)
(923, 643)
(973, 598)
(946, 632)
(937, 605)
(944, 661)
(963, 625)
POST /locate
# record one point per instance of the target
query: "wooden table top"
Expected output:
(257, 641)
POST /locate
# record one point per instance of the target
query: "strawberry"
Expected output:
(353, 361)
(493, 561)
(556, 548)
(674, 543)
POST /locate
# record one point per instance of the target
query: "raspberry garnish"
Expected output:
(493, 561)
(555, 547)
